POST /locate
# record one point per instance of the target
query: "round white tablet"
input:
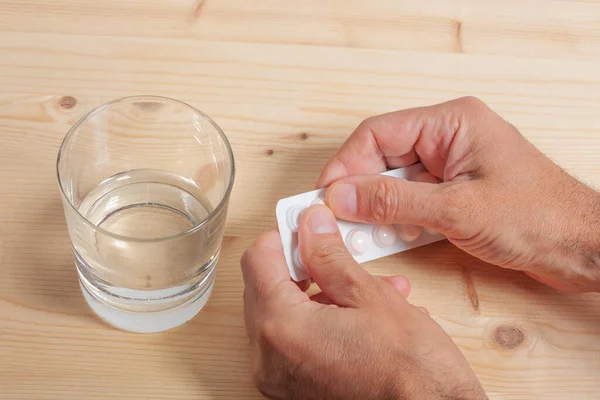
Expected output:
(292, 217)
(357, 242)
(296, 258)
(408, 232)
(384, 235)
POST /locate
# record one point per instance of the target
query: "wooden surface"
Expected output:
(287, 80)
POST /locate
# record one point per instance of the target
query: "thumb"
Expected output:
(387, 200)
(330, 264)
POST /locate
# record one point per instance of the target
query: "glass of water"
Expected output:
(145, 183)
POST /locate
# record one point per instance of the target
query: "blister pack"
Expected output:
(365, 242)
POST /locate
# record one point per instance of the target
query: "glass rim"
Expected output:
(197, 226)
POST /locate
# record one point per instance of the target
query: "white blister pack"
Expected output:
(365, 242)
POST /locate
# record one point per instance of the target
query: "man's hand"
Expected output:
(501, 199)
(357, 339)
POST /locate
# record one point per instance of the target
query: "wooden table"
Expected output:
(287, 80)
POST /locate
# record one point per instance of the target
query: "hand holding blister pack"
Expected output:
(365, 242)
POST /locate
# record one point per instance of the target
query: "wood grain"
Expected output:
(544, 28)
(288, 82)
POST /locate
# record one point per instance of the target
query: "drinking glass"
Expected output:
(145, 182)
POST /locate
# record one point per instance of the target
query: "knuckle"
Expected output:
(474, 108)
(280, 339)
(260, 377)
(266, 337)
(248, 259)
(271, 378)
(276, 333)
(471, 102)
(269, 332)
(383, 201)
(263, 376)
(261, 245)
(245, 259)
(367, 123)
(265, 240)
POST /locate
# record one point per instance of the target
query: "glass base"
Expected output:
(149, 322)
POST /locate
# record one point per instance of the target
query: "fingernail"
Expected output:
(343, 199)
(321, 220)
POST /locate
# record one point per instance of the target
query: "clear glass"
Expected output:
(145, 183)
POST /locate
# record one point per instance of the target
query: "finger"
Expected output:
(266, 275)
(426, 177)
(401, 138)
(386, 200)
(424, 310)
(399, 282)
(330, 264)
(408, 232)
